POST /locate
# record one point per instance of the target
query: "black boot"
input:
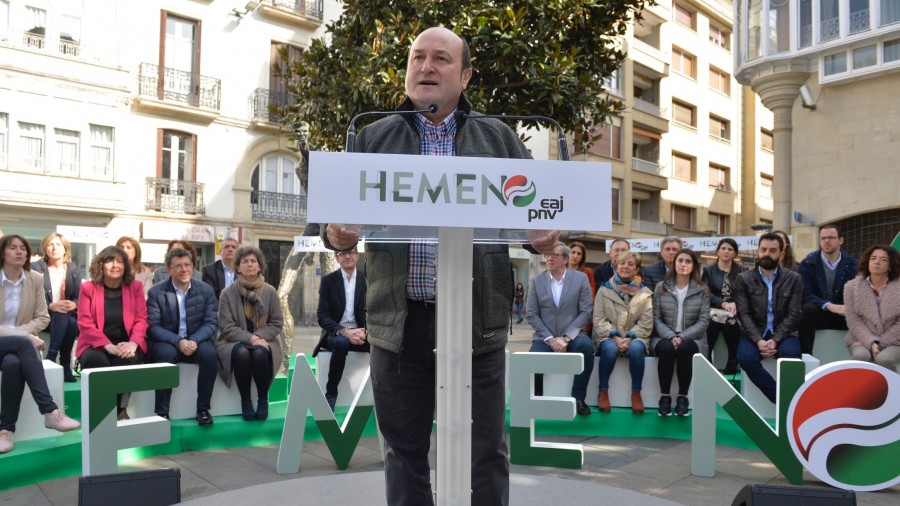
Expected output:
(68, 377)
(262, 408)
(51, 355)
(247, 410)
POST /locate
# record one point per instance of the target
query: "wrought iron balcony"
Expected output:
(188, 88)
(173, 196)
(309, 8)
(265, 105)
(278, 207)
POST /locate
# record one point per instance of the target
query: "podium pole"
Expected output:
(454, 367)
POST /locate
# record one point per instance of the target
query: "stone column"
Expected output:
(778, 93)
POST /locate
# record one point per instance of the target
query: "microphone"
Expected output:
(560, 138)
(351, 130)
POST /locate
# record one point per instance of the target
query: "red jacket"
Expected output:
(91, 314)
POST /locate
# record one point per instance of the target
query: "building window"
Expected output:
(890, 12)
(66, 155)
(779, 26)
(683, 62)
(718, 177)
(683, 167)
(859, 16)
(835, 64)
(806, 28)
(754, 14)
(613, 84)
(719, 37)
(719, 128)
(31, 146)
(4, 134)
(178, 156)
(864, 57)
(684, 113)
(719, 81)
(718, 224)
(684, 17)
(607, 141)
(682, 217)
(35, 27)
(829, 20)
(276, 174)
(766, 183)
(766, 140)
(180, 55)
(4, 20)
(892, 50)
(616, 206)
(102, 151)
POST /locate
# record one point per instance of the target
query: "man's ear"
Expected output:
(466, 76)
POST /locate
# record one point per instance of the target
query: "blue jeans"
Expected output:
(519, 307)
(581, 344)
(751, 362)
(636, 354)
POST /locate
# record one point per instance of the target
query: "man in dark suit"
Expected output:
(668, 248)
(342, 316)
(606, 270)
(824, 273)
(182, 317)
(559, 307)
(220, 274)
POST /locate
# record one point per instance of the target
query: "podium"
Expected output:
(459, 201)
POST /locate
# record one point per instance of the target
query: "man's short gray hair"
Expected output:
(671, 238)
(566, 251)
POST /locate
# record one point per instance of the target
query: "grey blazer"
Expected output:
(573, 313)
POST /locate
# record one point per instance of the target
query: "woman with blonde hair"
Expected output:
(62, 286)
(141, 273)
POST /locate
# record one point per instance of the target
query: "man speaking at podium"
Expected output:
(402, 286)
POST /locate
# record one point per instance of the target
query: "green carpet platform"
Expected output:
(38, 460)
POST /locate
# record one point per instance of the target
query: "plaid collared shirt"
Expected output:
(434, 140)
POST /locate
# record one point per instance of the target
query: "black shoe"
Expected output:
(681, 406)
(203, 417)
(247, 410)
(262, 409)
(731, 367)
(332, 400)
(68, 377)
(665, 406)
(122, 415)
(164, 415)
(582, 408)
(519, 321)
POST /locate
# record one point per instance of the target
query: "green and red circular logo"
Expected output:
(519, 191)
(844, 425)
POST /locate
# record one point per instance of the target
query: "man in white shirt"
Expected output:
(342, 316)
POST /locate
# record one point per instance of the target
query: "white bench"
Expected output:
(183, 404)
(754, 395)
(354, 373)
(31, 422)
(830, 346)
(619, 385)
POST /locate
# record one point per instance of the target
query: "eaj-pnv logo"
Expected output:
(519, 191)
(844, 425)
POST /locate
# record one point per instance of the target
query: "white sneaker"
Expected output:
(7, 443)
(60, 422)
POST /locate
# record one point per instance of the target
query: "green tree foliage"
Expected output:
(529, 57)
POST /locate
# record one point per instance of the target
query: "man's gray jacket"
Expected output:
(387, 264)
(573, 313)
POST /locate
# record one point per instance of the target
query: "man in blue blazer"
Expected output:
(559, 308)
(824, 273)
(342, 316)
(182, 315)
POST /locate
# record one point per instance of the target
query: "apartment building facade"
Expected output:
(151, 119)
(829, 70)
(691, 154)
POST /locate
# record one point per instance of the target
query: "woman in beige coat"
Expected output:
(623, 322)
(250, 321)
(872, 306)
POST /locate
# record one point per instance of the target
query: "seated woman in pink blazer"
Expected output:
(112, 316)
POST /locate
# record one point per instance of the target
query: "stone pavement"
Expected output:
(655, 467)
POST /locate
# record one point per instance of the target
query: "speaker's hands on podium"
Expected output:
(342, 236)
(543, 241)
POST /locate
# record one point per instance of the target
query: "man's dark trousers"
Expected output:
(339, 347)
(205, 357)
(815, 318)
(404, 388)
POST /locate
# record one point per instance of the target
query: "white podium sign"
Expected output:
(450, 191)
